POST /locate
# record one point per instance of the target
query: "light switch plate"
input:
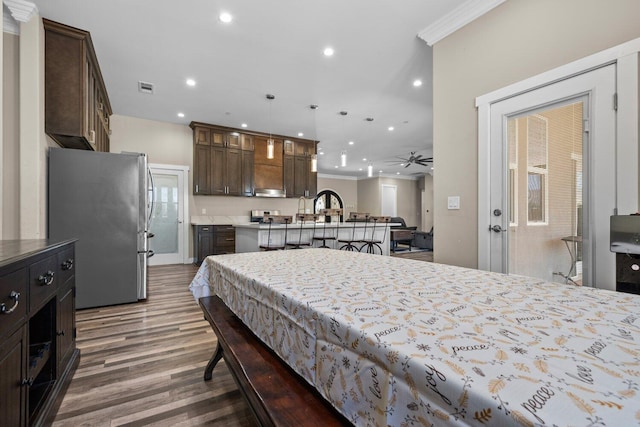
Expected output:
(453, 202)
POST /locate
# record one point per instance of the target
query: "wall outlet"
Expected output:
(204, 211)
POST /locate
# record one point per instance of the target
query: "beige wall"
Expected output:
(516, 40)
(408, 193)
(10, 138)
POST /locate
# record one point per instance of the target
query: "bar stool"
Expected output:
(276, 219)
(349, 244)
(324, 237)
(373, 243)
(302, 218)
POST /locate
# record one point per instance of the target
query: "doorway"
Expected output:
(170, 208)
(389, 200)
(552, 181)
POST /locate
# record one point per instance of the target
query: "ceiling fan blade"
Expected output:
(407, 165)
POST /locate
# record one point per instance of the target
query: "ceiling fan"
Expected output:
(413, 159)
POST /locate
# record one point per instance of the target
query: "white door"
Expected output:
(170, 207)
(389, 200)
(552, 181)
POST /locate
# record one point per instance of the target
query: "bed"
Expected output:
(391, 341)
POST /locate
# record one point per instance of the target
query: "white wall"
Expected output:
(514, 41)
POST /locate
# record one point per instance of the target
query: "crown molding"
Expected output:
(9, 25)
(345, 177)
(21, 10)
(456, 19)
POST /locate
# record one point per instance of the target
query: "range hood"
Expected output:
(269, 192)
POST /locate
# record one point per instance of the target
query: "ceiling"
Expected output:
(275, 47)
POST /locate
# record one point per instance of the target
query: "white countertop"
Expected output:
(219, 219)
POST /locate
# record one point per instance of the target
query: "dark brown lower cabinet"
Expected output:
(213, 240)
(38, 355)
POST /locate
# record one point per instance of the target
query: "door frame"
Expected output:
(184, 229)
(626, 57)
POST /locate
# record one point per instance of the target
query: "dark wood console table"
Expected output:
(275, 393)
(38, 353)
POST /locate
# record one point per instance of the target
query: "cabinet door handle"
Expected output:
(27, 382)
(92, 136)
(47, 278)
(196, 188)
(68, 264)
(60, 333)
(15, 296)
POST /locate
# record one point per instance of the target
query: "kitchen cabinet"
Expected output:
(213, 240)
(77, 108)
(218, 162)
(299, 181)
(38, 355)
(233, 162)
(248, 183)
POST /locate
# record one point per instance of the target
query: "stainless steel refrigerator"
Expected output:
(102, 200)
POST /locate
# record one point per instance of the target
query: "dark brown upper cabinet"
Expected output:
(77, 108)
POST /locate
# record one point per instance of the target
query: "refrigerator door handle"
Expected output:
(153, 196)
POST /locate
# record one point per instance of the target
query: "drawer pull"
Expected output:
(68, 264)
(47, 278)
(15, 296)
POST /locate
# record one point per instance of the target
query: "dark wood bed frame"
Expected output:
(276, 394)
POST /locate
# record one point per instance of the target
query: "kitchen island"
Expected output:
(249, 237)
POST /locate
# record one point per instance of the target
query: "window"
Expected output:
(537, 147)
(512, 141)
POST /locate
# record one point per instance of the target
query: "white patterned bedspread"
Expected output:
(391, 341)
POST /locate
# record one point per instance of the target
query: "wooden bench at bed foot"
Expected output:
(276, 394)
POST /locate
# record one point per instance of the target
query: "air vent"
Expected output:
(144, 87)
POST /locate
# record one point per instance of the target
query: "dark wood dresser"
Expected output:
(38, 353)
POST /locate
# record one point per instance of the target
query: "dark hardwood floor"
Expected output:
(142, 364)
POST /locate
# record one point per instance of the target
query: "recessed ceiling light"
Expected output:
(191, 82)
(321, 153)
(180, 114)
(417, 83)
(360, 169)
(336, 166)
(244, 125)
(300, 134)
(390, 128)
(397, 173)
(225, 17)
(364, 159)
(351, 143)
(328, 51)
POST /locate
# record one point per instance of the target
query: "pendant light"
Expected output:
(343, 154)
(270, 143)
(370, 170)
(314, 156)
